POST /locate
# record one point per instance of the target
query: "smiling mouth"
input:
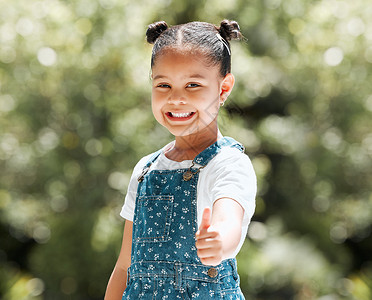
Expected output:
(183, 115)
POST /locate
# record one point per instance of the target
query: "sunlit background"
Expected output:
(75, 117)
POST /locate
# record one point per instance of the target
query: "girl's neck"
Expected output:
(188, 147)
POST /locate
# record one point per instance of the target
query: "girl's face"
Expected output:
(186, 92)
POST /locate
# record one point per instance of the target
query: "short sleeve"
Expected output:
(127, 211)
(235, 178)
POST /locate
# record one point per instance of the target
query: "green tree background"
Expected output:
(75, 117)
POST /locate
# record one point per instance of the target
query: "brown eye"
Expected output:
(162, 85)
(193, 85)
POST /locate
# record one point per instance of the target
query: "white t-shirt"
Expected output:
(229, 174)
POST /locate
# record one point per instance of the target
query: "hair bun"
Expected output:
(230, 30)
(154, 30)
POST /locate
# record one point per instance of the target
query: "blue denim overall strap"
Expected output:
(164, 261)
(208, 154)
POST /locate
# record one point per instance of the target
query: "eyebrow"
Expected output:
(198, 76)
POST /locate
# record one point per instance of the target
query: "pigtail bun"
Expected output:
(230, 30)
(154, 30)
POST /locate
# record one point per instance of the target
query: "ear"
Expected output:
(227, 85)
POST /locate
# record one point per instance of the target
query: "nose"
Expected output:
(176, 98)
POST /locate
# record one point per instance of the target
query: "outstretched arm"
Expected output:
(219, 233)
(118, 279)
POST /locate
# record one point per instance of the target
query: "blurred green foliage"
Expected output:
(75, 117)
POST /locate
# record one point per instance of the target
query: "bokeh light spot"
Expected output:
(356, 27)
(118, 181)
(70, 140)
(296, 26)
(338, 233)
(333, 56)
(7, 103)
(68, 285)
(35, 286)
(41, 233)
(59, 203)
(257, 231)
(84, 25)
(47, 56)
(24, 27)
(93, 147)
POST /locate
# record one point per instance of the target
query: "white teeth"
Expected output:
(181, 115)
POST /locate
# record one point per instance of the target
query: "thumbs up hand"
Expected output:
(206, 219)
(208, 241)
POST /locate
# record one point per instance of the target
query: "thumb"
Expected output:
(206, 219)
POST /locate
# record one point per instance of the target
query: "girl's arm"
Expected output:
(219, 234)
(118, 279)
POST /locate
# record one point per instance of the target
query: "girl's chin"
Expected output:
(183, 132)
(191, 131)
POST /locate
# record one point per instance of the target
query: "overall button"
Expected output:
(212, 272)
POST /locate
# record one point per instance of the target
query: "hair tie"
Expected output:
(223, 42)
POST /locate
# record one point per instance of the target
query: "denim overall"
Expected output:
(164, 261)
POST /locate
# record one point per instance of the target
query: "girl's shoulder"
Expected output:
(232, 159)
(228, 154)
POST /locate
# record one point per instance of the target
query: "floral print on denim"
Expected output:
(164, 261)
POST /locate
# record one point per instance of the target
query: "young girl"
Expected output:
(189, 204)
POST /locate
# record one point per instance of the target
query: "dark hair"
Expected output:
(210, 40)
